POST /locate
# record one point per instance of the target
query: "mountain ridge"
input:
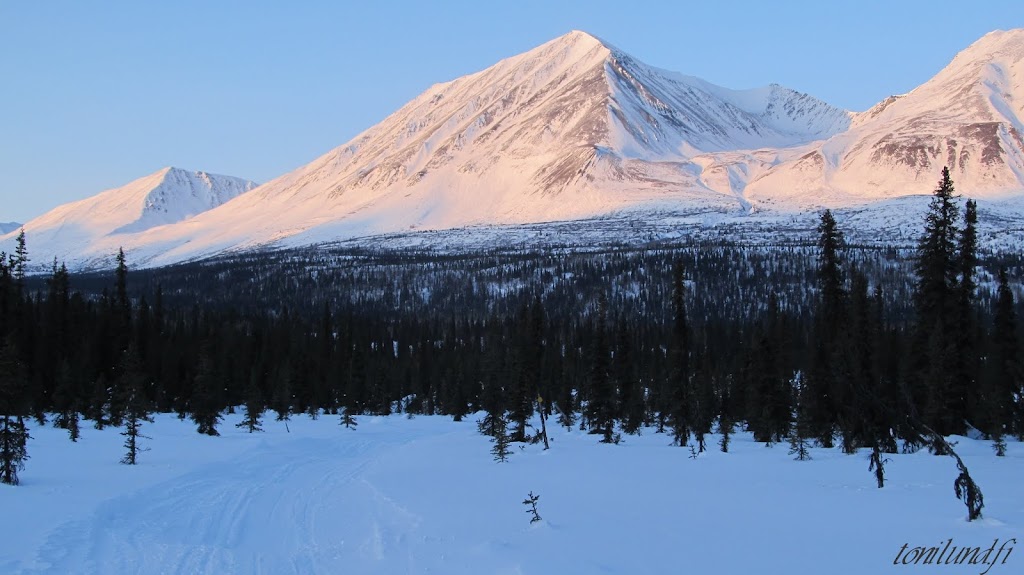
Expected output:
(577, 129)
(98, 225)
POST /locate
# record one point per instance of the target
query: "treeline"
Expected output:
(819, 344)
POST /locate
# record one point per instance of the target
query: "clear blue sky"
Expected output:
(98, 93)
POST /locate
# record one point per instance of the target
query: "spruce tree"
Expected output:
(492, 401)
(825, 390)
(702, 405)
(938, 270)
(631, 397)
(1004, 388)
(13, 447)
(501, 440)
(99, 402)
(19, 262)
(347, 419)
(964, 399)
(252, 422)
(769, 394)
(205, 407)
(725, 423)
(799, 444)
(65, 401)
(133, 382)
(13, 409)
(680, 394)
(282, 401)
(601, 405)
(566, 401)
(877, 465)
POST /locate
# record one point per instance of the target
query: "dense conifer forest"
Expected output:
(821, 343)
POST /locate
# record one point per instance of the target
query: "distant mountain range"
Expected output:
(577, 130)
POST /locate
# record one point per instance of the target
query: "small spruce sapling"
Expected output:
(136, 412)
(253, 420)
(798, 444)
(348, 420)
(501, 439)
(999, 445)
(724, 428)
(878, 465)
(531, 502)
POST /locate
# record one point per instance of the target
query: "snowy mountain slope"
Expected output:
(577, 129)
(970, 117)
(572, 129)
(95, 227)
(8, 227)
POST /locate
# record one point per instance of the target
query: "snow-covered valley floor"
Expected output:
(423, 495)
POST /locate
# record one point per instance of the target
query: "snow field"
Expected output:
(423, 495)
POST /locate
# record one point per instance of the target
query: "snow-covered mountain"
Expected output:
(92, 230)
(572, 129)
(577, 129)
(8, 227)
(970, 117)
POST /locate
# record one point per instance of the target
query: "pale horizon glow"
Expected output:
(98, 95)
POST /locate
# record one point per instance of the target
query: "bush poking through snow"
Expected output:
(531, 502)
(878, 465)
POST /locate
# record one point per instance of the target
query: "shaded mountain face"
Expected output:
(8, 227)
(577, 129)
(94, 228)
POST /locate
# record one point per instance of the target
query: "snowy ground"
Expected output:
(423, 495)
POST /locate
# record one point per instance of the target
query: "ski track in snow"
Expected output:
(199, 522)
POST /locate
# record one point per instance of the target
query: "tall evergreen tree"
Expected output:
(680, 394)
(205, 406)
(13, 409)
(66, 401)
(725, 418)
(825, 389)
(493, 404)
(770, 395)
(631, 393)
(702, 404)
(965, 400)
(1004, 390)
(137, 407)
(283, 394)
(601, 405)
(254, 407)
(19, 262)
(938, 268)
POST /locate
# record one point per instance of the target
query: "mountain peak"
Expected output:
(581, 37)
(1006, 46)
(98, 223)
(999, 38)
